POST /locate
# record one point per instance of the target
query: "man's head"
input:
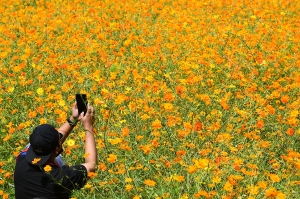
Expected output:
(43, 142)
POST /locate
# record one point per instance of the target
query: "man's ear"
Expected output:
(57, 150)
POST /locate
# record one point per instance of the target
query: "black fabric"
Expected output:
(31, 181)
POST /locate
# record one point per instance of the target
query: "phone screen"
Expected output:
(82, 103)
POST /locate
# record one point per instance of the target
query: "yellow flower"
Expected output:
(192, 169)
(145, 116)
(271, 192)
(11, 89)
(85, 155)
(253, 190)
(201, 163)
(149, 182)
(70, 142)
(262, 184)
(168, 106)
(294, 113)
(128, 179)
(228, 187)
(281, 195)
(178, 178)
(128, 187)
(62, 103)
(216, 179)
(87, 186)
(115, 141)
(139, 137)
(112, 158)
(185, 196)
(156, 124)
(43, 121)
(40, 91)
(120, 99)
(47, 168)
(35, 160)
(274, 178)
(127, 42)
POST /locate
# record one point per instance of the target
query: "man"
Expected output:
(37, 173)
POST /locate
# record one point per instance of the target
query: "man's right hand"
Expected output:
(88, 119)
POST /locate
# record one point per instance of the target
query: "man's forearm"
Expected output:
(66, 128)
(90, 149)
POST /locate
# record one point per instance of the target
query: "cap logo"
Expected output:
(38, 150)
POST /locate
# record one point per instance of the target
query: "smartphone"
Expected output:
(82, 102)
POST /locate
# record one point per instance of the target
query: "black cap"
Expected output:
(43, 142)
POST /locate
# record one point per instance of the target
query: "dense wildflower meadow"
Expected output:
(194, 99)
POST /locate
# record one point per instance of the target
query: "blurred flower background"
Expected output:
(194, 99)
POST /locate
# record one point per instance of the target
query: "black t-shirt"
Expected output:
(32, 181)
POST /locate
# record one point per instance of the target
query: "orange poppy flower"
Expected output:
(260, 124)
(285, 99)
(290, 131)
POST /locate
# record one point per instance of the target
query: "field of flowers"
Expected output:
(194, 99)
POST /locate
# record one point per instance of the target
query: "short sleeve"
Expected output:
(75, 177)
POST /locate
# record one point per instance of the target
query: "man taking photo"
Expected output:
(38, 173)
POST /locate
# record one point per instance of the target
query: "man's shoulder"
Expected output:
(74, 177)
(23, 165)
